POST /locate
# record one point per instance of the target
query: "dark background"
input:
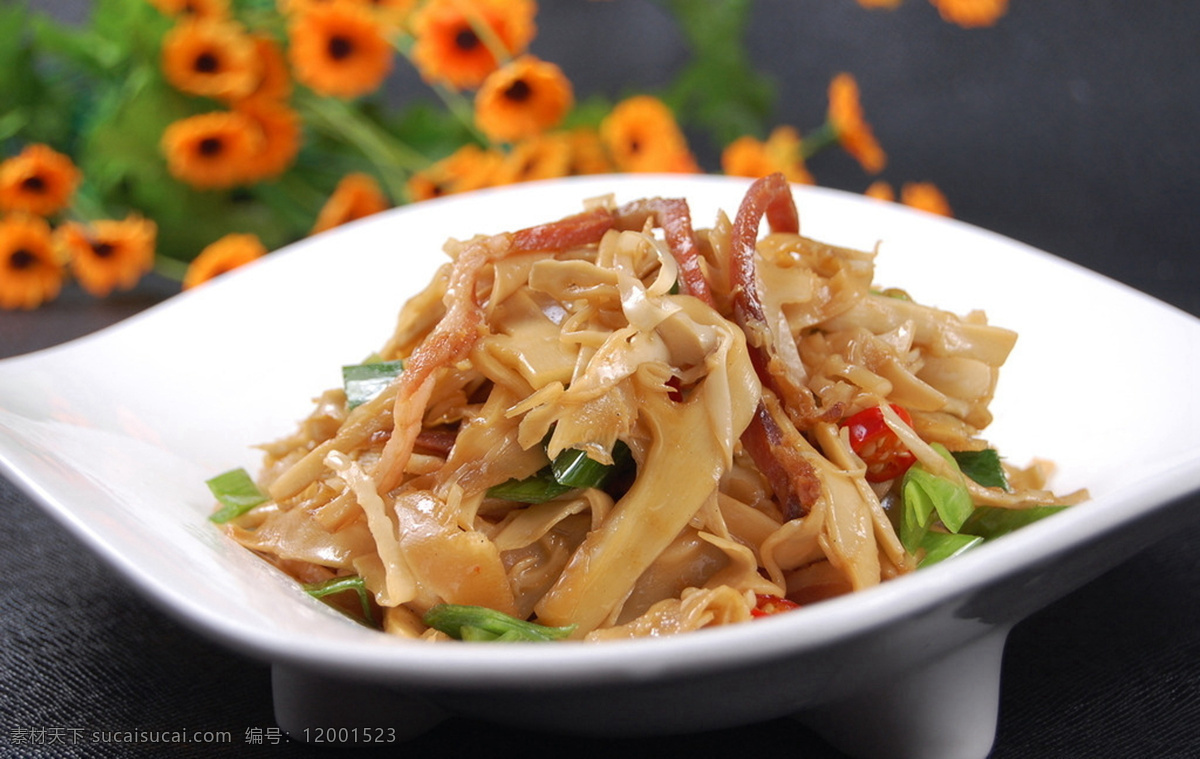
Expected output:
(1068, 126)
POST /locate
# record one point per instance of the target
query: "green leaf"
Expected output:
(939, 546)
(429, 130)
(479, 623)
(925, 493)
(991, 522)
(237, 493)
(91, 52)
(719, 89)
(37, 100)
(983, 467)
(363, 382)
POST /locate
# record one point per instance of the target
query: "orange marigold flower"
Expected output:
(880, 190)
(31, 273)
(971, 13)
(588, 155)
(192, 8)
(545, 156)
(853, 131)
(750, 157)
(522, 99)
(925, 196)
(213, 57)
(211, 150)
(38, 180)
(275, 78)
(356, 196)
(224, 255)
(109, 254)
(641, 135)
(468, 168)
(281, 138)
(449, 48)
(340, 49)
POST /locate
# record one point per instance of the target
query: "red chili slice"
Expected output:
(875, 443)
(766, 605)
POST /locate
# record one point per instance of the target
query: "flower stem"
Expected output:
(171, 268)
(814, 142)
(336, 118)
(458, 104)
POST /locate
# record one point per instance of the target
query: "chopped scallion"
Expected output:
(479, 623)
(363, 382)
(537, 488)
(924, 493)
(983, 467)
(236, 492)
(571, 469)
(348, 583)
(993, 521)
(575, 468)
(939, 546)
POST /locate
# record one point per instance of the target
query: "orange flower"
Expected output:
(922, 195)
(971, 13)
(38, 180)
(224, 255)
(750, 157)
(641, 135)
(339, 49)
(275, 78)
(925, 196)
(880, 190)
(546, 156)
(281, 137)
(109, 254)
(213, 57)
(192, 8)
(522, 99)
(211, 150)
(455, 39)
(30, 271)
(468, 168)
(357, 195)
(588, 155)
(852, 129)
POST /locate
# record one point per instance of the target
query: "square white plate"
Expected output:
(116, 433)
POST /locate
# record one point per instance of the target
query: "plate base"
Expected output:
(946, 709)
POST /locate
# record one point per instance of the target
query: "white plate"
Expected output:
(115, 434)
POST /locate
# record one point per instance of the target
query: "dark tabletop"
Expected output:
(1069, 126)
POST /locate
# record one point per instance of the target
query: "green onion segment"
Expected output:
(982, 466)
(479, 623)
(938, 518)
(362, 382)
(336, 585)
(571, 469)
(236, 492)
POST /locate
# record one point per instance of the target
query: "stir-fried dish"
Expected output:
(619, 425)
